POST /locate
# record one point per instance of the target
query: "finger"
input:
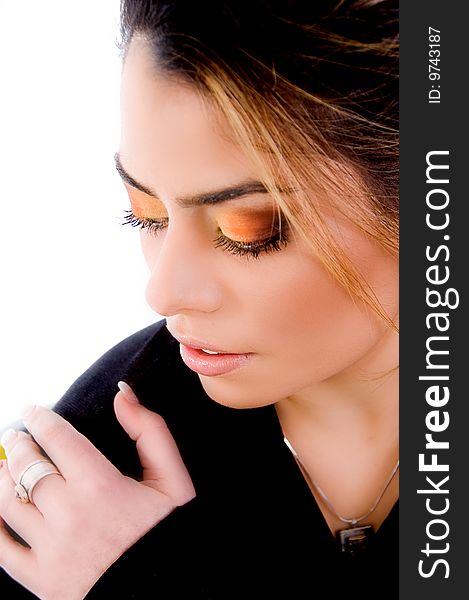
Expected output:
(24, 519)
(15, 558)
(163, 467)
(21, 451)
(71, 451)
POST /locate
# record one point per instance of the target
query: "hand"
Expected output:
(82, 520)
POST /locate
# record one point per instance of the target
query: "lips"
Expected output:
(212, 365)
(196, 344)
(206, 359)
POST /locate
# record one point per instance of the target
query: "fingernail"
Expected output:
(7, 437)
(128, 392)
(27, 411)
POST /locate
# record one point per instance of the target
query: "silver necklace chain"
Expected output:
(356, 520)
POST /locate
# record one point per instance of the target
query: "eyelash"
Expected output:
(246, 249)
(252, 249)
(153, 225)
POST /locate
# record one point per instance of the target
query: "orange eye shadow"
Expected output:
(144, 206)
(248, 225)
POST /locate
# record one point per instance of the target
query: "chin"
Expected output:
(236, 394)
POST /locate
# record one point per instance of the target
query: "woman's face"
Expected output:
(292, 324)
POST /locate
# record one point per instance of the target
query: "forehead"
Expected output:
(150, 98)
(171, 136)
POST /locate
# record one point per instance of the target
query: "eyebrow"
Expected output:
(233, 192)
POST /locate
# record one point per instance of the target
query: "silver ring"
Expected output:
(31, 476)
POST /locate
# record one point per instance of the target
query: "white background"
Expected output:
(72, 277)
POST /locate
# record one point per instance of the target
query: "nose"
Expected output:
(182, 274)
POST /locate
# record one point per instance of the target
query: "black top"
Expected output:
(254, 529)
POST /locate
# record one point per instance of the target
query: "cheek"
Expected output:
(302, 300)
(282, 297)
(302, 318)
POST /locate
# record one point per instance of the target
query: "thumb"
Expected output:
(163, 467)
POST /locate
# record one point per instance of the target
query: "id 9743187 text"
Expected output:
(434, 57)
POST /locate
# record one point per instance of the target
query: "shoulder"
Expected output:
(149, 361)
(136, 351)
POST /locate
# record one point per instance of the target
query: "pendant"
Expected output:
(355, 540)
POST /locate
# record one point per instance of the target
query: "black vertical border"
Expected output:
(425, 127)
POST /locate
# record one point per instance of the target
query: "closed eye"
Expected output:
(248, 249)
(152, 225)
